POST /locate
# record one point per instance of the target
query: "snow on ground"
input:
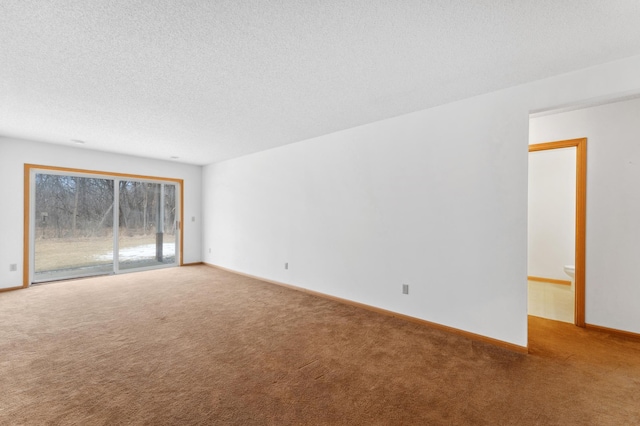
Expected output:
(146, 251)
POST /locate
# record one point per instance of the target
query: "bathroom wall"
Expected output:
(551, 220)
(14, 153)
(613, 206)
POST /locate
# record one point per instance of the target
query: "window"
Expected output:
(84, 223)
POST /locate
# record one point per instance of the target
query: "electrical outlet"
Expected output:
(286, 265)
(13, 267)
(209, 250)
(405, 288)
(193, 218)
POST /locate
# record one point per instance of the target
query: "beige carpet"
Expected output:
(196, 345)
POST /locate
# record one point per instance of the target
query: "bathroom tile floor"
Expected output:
(551, 301)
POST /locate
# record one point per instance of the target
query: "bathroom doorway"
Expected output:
(555, 289)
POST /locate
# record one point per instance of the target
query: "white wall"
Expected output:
(436, 199)
(613, 206)
(15, 153)
(552, 210)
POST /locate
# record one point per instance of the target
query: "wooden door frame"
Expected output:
(26, 254)
(581, 218)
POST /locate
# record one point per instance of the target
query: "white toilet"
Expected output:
(571, 271)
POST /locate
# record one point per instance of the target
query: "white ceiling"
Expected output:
(210, 80)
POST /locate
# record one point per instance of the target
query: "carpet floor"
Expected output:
(196, 345)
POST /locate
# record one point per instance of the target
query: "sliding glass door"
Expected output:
(83, 225)
(73, 226)
(147, 231)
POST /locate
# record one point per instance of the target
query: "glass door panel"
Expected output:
(147, 224)
(82, 224)
(73, 233)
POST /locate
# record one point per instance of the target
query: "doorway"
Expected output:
(82, 223)
(580, 218)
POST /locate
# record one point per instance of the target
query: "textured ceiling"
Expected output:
(210, 80)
